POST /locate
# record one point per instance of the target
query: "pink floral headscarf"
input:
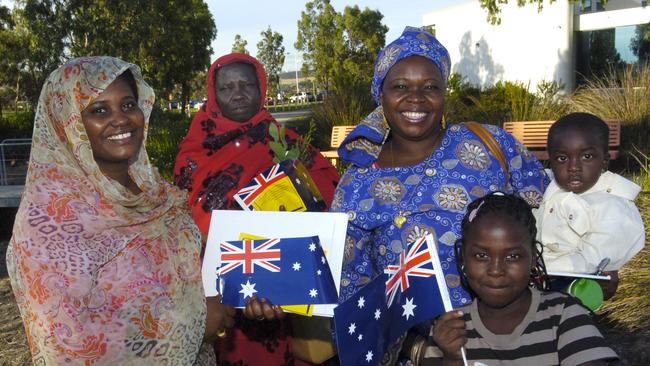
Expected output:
(102, 275)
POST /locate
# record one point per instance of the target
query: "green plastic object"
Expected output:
(588, 292)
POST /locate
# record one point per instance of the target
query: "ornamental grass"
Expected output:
(624, 96)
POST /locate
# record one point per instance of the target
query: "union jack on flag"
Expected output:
(410, 264)
(249, 255)
(262, 181)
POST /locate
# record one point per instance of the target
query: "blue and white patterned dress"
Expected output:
(432, 195)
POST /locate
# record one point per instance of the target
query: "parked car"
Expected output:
(302, 97)
(196, 104)
(174, 105)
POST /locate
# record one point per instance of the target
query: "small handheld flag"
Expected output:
(408, 293)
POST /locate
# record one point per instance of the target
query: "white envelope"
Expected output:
(227, 225)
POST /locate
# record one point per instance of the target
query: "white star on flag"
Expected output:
(361, 302)
(313, 292)
(322, 259)
(312, 247)
(318, 272)
(360, 337)
(408, 308)
(352, 328)
(369, 356)
(377, 314)
(296, 266)
(248, 289)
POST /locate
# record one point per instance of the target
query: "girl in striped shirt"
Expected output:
(510, 321)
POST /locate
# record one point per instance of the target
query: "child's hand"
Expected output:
(262, 310)
(609, 287)
(449, 334)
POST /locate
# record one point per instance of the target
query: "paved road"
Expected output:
(283, 116)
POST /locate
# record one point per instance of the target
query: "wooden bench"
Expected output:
(533, 135)
(339, 133)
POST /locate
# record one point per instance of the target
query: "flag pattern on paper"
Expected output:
(261, 182)
(413, 291)
(286, 271)
(248, 255)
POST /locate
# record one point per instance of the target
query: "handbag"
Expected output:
(488, 140)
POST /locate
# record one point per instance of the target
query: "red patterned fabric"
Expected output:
(219, 156)
(216, 159)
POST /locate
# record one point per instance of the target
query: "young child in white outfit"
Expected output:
(587, 213)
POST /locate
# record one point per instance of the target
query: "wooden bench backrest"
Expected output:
(533, 134)
(339, 133)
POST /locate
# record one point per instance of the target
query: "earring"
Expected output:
(443, 123)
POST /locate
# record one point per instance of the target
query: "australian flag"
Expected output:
(288, 271)
(410, 292)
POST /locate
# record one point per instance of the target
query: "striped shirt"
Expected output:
(557, 330)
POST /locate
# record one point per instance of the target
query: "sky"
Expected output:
(250, 17)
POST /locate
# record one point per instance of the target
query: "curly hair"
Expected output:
(517, 209)
(585, 122)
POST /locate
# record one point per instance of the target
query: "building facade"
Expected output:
(561, 43)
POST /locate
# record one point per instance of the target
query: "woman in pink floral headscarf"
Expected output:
(104, 258)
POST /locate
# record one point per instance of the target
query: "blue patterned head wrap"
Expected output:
(413, 42)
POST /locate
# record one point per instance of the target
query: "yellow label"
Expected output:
(280, 196)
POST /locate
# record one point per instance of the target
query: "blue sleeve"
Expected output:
(527, 176)
(357, 267)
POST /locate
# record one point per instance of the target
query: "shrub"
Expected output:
(505, 101)
(460, 103)
(16, 125)
(343, 107)
(166, 131)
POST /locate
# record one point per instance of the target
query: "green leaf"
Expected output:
(273, 131)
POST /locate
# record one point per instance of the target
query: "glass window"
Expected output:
(599, 51)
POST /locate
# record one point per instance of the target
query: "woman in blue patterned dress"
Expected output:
(410, 176)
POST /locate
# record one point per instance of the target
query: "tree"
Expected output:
(198, 86)
(40, 31)
(318, 35)
(493, 7)
(270, 52)
(169, 40)
(9, 46)
(640, 44)
(177, 46)
(603, 55)
(240, 45)
(364, 35)
(340, 48)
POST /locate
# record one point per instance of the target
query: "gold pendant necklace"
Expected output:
(400, 219)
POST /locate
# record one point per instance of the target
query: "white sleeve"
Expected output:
(616, 233)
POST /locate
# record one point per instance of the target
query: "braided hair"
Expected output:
(517, 209)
